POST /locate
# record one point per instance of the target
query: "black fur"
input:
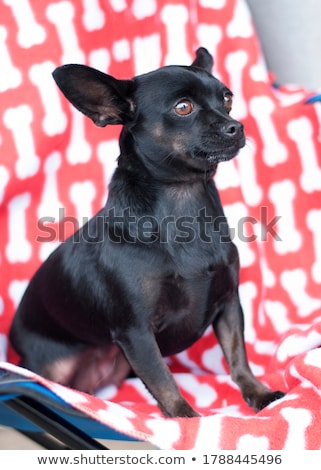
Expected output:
(155, 267)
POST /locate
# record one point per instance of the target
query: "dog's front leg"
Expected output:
(229, 328)
(143, 354)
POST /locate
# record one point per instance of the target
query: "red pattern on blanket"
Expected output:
(54, 164)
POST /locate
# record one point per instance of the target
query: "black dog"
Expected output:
(155, 267)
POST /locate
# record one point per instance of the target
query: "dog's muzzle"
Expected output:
(224, 144)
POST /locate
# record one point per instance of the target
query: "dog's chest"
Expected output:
(185, 301)
(197, 272)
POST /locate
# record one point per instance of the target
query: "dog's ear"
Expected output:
(203, 60)
(101, 97)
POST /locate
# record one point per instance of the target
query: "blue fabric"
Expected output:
(314, 99)
(44, 396)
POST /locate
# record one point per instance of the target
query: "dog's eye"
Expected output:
(228, 101)
(183, 108)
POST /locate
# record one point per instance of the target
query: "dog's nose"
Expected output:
(232, 129)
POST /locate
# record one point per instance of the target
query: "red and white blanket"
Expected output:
(55, 166)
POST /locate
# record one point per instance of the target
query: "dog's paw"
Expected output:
(258, 403)
(181, 410)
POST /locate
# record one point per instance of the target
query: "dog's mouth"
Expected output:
(218, 155)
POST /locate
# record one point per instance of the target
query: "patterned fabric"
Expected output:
(55, 166)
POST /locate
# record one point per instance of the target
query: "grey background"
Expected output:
(290, 36)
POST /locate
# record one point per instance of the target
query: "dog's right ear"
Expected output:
(101, 97)
(203, 60)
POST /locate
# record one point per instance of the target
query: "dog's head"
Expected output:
(176, 115)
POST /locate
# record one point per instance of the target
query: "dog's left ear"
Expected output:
(203, 60)
(101, 97)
